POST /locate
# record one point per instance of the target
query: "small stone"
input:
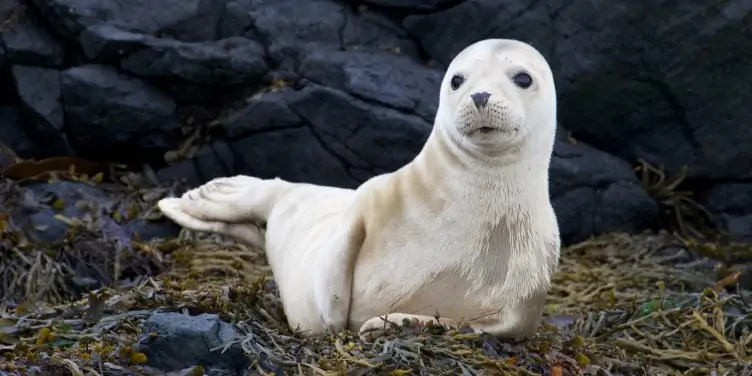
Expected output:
(181, 340)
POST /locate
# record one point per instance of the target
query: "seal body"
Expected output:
(465, 231)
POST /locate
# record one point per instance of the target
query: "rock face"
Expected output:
(335, 92)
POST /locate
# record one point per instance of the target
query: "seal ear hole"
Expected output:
(456, 81)
(522, 80)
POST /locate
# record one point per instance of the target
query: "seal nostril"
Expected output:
(480, 99)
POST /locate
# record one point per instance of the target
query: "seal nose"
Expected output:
(480, 99)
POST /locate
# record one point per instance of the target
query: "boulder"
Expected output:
(106, 108)
(644, 80)
(333, 92)
(27, 42)
(41, 101)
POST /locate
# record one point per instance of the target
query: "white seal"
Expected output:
(465, 231)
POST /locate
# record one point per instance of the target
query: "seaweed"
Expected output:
(620, 304)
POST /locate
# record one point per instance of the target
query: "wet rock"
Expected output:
(629, 84)
(42, 202)
(360, 94)
(289, 27)
(731, 207)
(106, 109)
(172, 341)
(210, 161)
(392, 80)
(235, 20)
(595, 193)
(322, 25)
(361, 138)
(39, 91)
(424, 5)
(3, 57)
(186, 20)
(7, 9)
(232, 60)
(337, 138)
(235, 60)
(27, 43)
(107, 44)
(368, 29)
(13, 132)
(265, 112)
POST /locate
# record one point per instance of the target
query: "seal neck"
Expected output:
(529, 159)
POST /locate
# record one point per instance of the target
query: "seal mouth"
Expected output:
(485, 130)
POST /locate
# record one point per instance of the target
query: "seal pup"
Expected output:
(466, 230)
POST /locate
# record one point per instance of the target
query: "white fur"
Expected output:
(465, 230)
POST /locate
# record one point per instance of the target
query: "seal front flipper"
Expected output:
(235, 206)
(332, 281)
(246, 232)
(236, 199)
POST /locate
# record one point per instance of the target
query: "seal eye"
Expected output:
(457, 80)
(522, 80)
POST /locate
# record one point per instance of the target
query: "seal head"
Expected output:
(497, 92)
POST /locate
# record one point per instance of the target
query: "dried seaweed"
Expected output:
(620, 305)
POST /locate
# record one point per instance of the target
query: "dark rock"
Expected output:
(317, 25)
(172, 341)
(392, 80)
(731, 207)
(363, 139)
(235, 60)
(143, 229)
(13, 132)
(28, 44)
(236, 20)
(3, 57)
(629, 84)
(210, 161)
(320, 124)
(322, 25)
(422, 5)
(7, 9)
(268, 155)
(595, 193)
(360, 98)
(43, 201)
(265, 112)
(186, 20)
(365, 28)
(39, 91)
(228, 61)
(107, 44)
(40, 206)
(189, 72)
(107, 109)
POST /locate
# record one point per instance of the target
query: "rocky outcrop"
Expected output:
(334, 92)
